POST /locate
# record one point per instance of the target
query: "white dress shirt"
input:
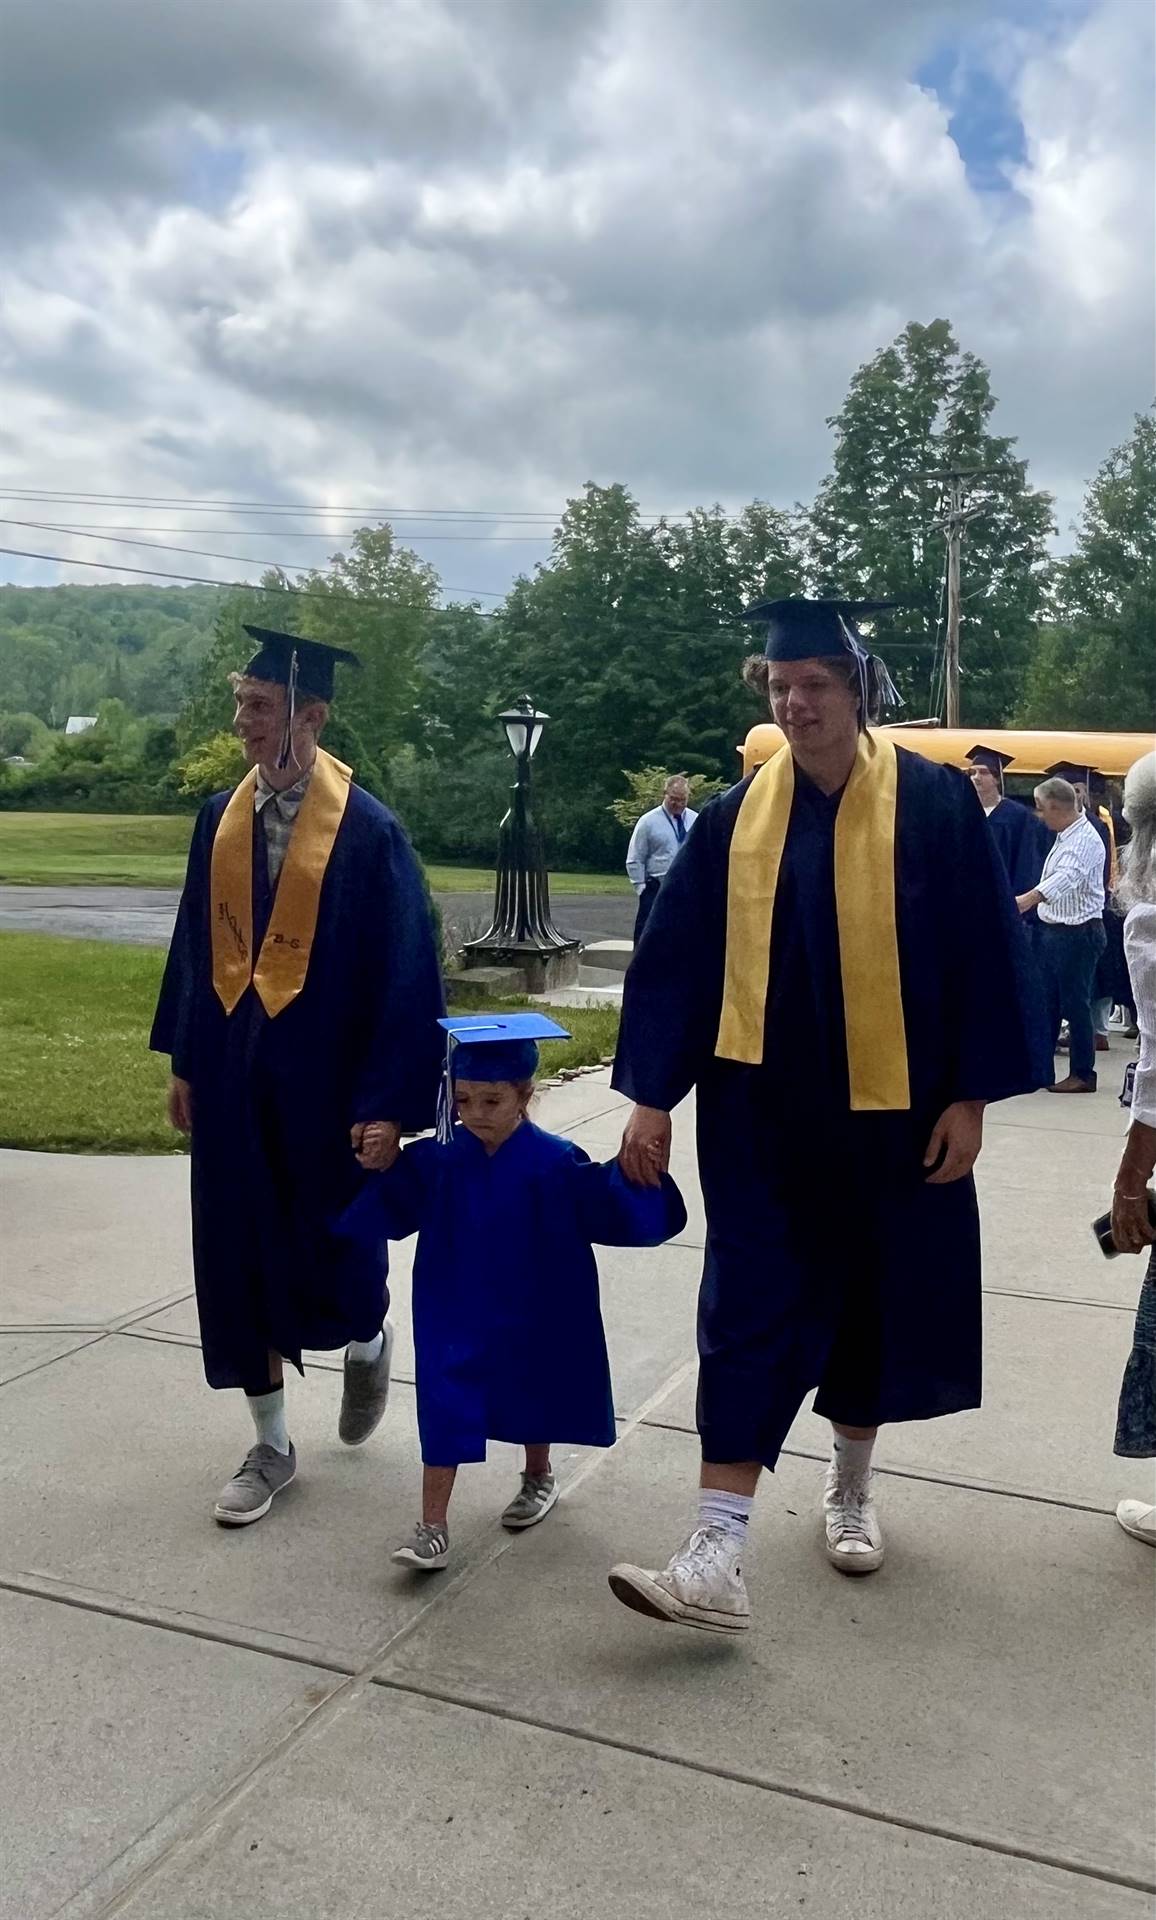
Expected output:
(1072, 882)
(1140, 951)
(653, 845)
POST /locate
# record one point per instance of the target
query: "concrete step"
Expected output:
(613, 955)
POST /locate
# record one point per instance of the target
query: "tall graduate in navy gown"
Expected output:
(836, 964)
(1019, 833)
(507, 1324)
(298, 1004)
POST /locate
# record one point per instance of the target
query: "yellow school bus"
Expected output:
(1032, 752)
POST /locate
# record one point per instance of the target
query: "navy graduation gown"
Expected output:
(1023, 842)
(829, 1261)
(507, 1324)
(274, 1100)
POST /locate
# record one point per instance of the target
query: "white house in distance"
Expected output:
(79, 722)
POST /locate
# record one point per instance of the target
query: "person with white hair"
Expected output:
(1070, 896)
(656, 839)
(1132, 1228)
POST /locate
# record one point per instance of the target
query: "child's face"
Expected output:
(490, 1109)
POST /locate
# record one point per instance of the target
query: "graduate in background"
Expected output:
(298, 1002)
(1019, 833)
(507, 1325)
(836, 964)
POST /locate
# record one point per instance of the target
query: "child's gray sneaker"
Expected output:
(538, 1493)
(428, 1550)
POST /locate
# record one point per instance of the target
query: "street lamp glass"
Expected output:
(523, 729)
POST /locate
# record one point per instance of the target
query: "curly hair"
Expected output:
(756, 674)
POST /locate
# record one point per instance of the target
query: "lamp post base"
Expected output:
(541, 967)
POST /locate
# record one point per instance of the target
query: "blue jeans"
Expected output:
(1070, 955)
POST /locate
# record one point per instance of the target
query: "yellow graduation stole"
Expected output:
(864, 906)
(1113, 865)
(283, 961)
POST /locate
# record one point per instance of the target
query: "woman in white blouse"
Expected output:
(1131, 1227)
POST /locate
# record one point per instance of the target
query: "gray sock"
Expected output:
(366, 1350)
(268, 1411)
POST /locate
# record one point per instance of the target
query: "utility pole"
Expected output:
(954, 516)
(953, 527)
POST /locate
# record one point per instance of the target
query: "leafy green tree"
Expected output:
(211, 766)
(647, 787)
(921, 406)
(1095, 663)
(24, 734)
(378, 600)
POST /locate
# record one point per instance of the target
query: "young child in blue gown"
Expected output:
(507, 1325)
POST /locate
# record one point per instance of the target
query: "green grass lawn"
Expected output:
(76, 1075)
(148, 850)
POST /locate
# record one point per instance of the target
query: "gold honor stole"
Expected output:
(865, 909)
(283, 961)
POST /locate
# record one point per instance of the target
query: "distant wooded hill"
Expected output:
(66, 649)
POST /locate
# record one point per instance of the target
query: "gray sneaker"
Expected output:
(427, 1551)
(249, 1494)
(365, 1394)
(538, 1493)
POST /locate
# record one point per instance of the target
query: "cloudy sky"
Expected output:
(467, 254)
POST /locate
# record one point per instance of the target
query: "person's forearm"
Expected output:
(1058, 884)
(1138, 1159)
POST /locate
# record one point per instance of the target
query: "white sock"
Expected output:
(727, 1511)
(366, 1349)
(268, 1411)
(852, 1459)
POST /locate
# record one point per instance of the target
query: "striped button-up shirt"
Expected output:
(1072, 882)
(278, 811)
(653, 845)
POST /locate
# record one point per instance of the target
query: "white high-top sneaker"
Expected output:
(700, 1586)
(854, 1536)
(1138, 1519)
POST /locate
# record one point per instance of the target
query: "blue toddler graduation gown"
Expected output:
(829, 1261)
(274, 1099)
(507, 1324)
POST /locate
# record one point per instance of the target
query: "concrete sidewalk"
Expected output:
(275, 1722)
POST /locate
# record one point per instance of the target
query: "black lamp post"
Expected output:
(521, 933)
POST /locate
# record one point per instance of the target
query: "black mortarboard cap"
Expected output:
(273, 660)
(991, 758)
(811, 629)
(1068, 770)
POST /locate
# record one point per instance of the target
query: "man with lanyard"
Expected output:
(656, 839)
(1070, 896)
(299, 1008)
(860, 992)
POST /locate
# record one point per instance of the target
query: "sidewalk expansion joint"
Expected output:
(205, 1809)
(92, 1337)
(194, 1626)
(767, 1783)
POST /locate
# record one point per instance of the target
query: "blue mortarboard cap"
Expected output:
(490, 1046)
(811, 629)
(824, 630)
(992, 759)
(275, 655)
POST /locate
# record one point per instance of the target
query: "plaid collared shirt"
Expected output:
(278, 813)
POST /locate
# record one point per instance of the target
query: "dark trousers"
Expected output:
(1070, 956)
(646, 900)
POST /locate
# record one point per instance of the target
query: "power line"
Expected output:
(225, 586)
(192, 504)
(265, 533)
